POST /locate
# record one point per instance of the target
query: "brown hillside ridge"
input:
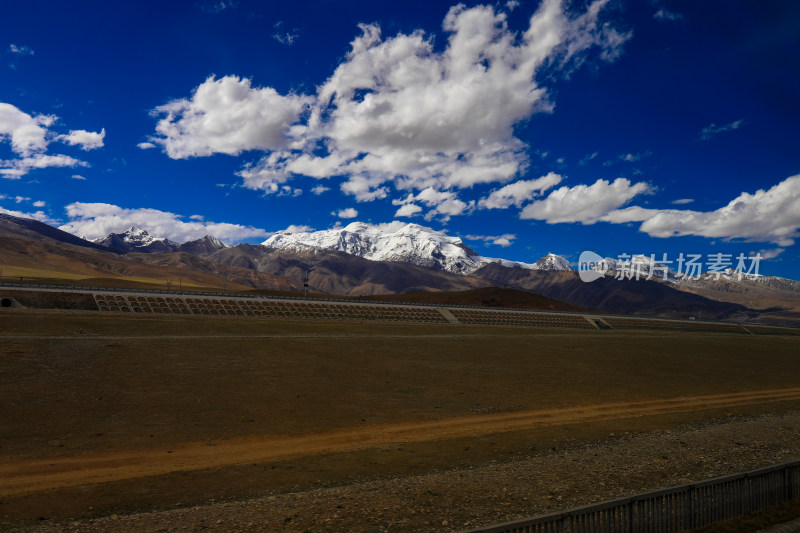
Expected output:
(637, 297)
(32, 260)
(334, 272)
(483, 297)
(777, 304)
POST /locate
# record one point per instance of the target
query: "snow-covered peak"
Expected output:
(553, 262)
(138, 236)
(510, 264)
(548, 263)
(136, 239)
(410, 243)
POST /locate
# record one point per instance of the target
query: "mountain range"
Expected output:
(406, 243)
(137, 239)
(362, 259)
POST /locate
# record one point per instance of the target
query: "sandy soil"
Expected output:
(29, 476)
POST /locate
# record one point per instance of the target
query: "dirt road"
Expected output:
(30, 476)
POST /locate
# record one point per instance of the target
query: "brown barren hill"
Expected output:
(483, 297)
(33, 252)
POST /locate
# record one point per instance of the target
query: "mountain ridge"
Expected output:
(333, 271)
(136, 239)
(410, 243)
(34, 228)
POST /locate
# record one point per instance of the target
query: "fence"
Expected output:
(268, 308)
(150, 300)
(674, 509)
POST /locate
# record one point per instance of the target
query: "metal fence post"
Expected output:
(630, 516)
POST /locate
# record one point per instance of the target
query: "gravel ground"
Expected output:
(576, 473)
(788, 527)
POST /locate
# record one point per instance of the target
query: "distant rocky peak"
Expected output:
(203, 246)
(136, 239)
(136, 235)
(553, 262)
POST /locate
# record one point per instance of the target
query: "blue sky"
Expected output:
(523, 127)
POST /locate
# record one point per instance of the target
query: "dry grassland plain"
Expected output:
(107, 413)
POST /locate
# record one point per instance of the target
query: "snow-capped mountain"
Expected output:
(137, 239)
(410, 243)
(552, 262)
(407, 243)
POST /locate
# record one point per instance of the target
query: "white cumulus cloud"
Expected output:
(40, 215)
(87, 140)
(771, 215)
(346, 213)
(227, 116)
(770, 254)
(28, 134)
(497, 240)
(519, 192)
(297, 228)
(444, 204)
(408, 210)
(583, 203)
(397, 112)
(16, 168)
(96, 220)
(29, 137)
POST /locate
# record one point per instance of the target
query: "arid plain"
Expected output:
(111, 414)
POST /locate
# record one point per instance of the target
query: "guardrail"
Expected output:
(674, 509)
